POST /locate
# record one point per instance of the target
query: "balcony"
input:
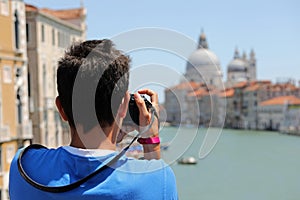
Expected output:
(25, 131)
(4, 134)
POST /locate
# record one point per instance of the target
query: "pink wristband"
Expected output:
(151, 140)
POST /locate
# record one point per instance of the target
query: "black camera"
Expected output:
(132, 116)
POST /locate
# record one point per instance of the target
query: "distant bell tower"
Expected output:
(252, 66)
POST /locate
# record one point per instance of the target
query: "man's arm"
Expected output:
(151, 151)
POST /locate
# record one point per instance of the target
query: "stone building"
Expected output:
(259, 91)
(49, 33)
(193, 103)
(242, 106)
(227, 98)
(272, 113)
(180, 105)
(186, 102)
(15, 125)
(291, 122)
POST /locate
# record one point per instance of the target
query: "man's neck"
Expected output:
(96, 138)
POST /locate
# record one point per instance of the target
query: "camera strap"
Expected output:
(71, 186)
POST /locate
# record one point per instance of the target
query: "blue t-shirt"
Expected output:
(127, 179)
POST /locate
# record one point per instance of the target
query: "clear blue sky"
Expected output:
(271, 28)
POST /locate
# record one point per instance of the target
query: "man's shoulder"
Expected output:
(35, 159)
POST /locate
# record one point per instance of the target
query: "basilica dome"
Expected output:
(203, 65)
(237, 65)
(202, 57)
(240, 68)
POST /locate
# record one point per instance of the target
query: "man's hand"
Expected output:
(151, 151)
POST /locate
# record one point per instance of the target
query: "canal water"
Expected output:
(244, 165)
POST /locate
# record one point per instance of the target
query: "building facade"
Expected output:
(15, 125)
(291, 122)
(181, 106)
(49, 33)
(193, 103)
(242, 110)
(279, 113)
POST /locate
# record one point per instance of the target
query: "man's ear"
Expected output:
(124, 106)
(60, 109)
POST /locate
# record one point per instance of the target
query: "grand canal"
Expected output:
(243, 165)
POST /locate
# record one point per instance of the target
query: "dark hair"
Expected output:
(92, 79)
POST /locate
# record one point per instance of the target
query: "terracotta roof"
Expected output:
(240, 84)
(227, 93)
(257, 85)
(260, 82)
(292, 100)
(199, 92)
(253, 88)
(31, 8)
(280, 87)
(186, 85)
(65, 14)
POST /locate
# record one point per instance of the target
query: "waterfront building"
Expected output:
(204, 104)
(49, 33)
(248, 95)
(212, 109)
(272, 113)
(291, 122)
(238, 105)
(15, 125)
(227, 106)
(253, 94)
(259, 91)
(241, 69)
(180, 105)
(203, 65)
(193, 103)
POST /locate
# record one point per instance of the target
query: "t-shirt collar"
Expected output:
(88, 152)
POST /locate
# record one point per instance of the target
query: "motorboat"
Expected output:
(187, 160)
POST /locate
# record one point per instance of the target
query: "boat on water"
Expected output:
(187, 160)
(164, 146)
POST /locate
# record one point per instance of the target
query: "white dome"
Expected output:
(237, 65)
(202, 57)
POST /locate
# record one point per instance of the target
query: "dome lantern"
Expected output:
(202, 41)
(236, 53)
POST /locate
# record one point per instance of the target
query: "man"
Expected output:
(92, 83)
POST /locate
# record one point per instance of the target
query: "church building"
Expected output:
(241, 69)
(203, 65)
